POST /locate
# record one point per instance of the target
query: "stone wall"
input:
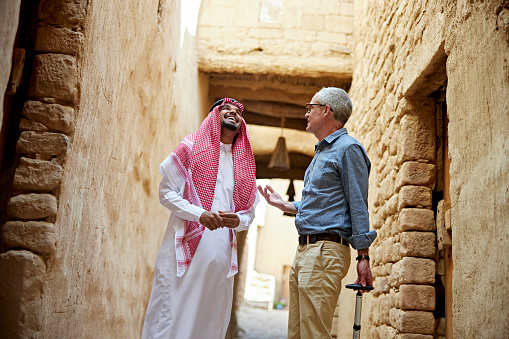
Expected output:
(417, 63)
(300, 38)
(106, 104)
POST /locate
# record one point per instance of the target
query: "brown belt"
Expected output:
(312, 238)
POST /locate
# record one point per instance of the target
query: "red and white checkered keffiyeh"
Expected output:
(197, 160)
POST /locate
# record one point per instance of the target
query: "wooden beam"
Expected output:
(340, 67)
(275, 121)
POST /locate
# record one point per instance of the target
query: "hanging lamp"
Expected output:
(280, 160)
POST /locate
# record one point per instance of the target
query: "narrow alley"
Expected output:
(259, 323)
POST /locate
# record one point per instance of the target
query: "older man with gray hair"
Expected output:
(332, 215)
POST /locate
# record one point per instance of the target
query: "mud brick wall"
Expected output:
(411, 59)
(307, 39)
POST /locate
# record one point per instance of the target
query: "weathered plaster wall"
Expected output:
(129, 94)
(478, 107)
(277, 239)
(404, 51)
(135, 108)
(306, 39)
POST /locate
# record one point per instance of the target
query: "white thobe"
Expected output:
(198, 304)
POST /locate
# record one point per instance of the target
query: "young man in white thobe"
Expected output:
(209, 185)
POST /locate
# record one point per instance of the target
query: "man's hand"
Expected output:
(364, 276)
(230, 219)
(274, 199)
(211, 220)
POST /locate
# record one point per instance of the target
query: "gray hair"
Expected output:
(339, 102)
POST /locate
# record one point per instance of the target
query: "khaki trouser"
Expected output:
(315, 284)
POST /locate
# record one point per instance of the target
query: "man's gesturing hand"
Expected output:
(230, 219)
(274, 199)
(211, 220)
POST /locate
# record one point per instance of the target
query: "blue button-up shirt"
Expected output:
(335, 194)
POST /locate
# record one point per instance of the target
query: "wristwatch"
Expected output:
(360, 257)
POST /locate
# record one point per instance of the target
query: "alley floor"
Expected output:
(258, 323)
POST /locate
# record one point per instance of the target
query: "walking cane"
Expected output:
(358, 307)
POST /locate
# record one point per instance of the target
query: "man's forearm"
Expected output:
(288, 207)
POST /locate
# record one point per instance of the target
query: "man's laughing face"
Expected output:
(230, 117)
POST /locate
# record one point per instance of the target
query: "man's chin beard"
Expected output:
(229, 126)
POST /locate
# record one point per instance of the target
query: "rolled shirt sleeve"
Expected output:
(355, 178)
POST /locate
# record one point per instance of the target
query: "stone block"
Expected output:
(264, 33)
(396, 300)
(42, 143)
(387, 246)
(58, 40)
(381, 285)
(416, 219)
(37, 175)
(32, 206)
(419, 322)
(36, 236)
(70, 13)
(418, 244)
(410, 270)
(54, 76)
(394, 226)
(385, 301)
(396, 252)
(413, 336)
(424, 69)
(440, 329)
(417, 297)
(30, 125)
(414, 196)
(54, 116)
(330, 37)
(339, 24)
(391, 206)
(386, 332)
(416, 173)
(386, 269)
(21, 278)
(375, 269)
(417, 138)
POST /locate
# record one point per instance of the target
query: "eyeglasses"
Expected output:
(309, 106)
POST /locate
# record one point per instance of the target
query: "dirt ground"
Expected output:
(258, 323)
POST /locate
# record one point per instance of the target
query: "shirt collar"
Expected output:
(331, 138)
(226, 147)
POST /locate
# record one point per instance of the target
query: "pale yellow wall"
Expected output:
(139, 97)
(277, 239)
